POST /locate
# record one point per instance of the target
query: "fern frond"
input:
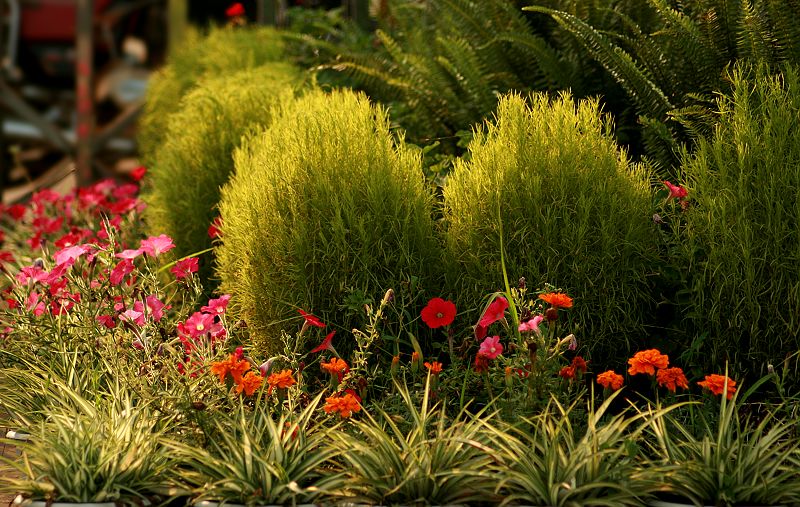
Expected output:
(755, 41)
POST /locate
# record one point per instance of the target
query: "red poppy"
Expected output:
(311, 320)
(438, 313)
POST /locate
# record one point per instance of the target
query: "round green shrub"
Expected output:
(742, 242)
(195, 157)
(575, 213)
(222, 52)
(323, 205)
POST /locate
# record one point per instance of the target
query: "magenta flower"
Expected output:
(130, 254)
(155, 307)
(200, 324)
(106, 320)
(32, 304)
(496, 311)
(33, 272)
(217, 306)
(676, 191)
(184, 267)
(531, 325)
(120, 271)
(491, 347)
(71, 253)
(156, 245)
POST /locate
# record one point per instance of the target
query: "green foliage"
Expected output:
(574, 213)
(742, 244)
(222, 52)
(322, 205)
(681, 61)
(195, 155)
(447, 61)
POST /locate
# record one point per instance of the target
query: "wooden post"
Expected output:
(84, 62)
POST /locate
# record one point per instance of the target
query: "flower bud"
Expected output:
(414, 362)
(533, 347)
(395, 365)
(509, 379)
(551, 314)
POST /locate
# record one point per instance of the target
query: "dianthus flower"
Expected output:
(610, 380)
(646, 361)
(250, 383)
(345, 405)
(438, 313)
(672, 378)
(716, 384)
(557, 299)
(281, 380)
(434, 367)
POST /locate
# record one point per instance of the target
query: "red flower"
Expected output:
(326, 343)
(496, 311)
(16, 211)
(214, 228)
(235, 10)
(184, 267)
(311, 320)
(138, 173)
(438, 313)
(676, 191)
(579, 364)
(481, 364)
(567, 372)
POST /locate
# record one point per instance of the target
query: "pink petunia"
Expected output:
(217, 306)
(496, 311)
(156, 245)
(130, 254)
(531, 325)
(199, 324)
(184, 267)
(155, 307)
(676, 191)
(71, 253)
(106, 320)
(491, 347)
(120, 271)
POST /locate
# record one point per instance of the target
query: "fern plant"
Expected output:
(671, 71)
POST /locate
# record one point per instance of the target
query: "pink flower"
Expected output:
(676, 191)
(32, 304)
(125, 191)
(491, 347)
(130, 254)
(71, 253)
(156, 245)
(106, 320)
(134, 315)
(120, 271)
(217, 306)
(496, 311)
(33, 272)
(531, 325)
(155, 307)
(184, 267)
(201, 324)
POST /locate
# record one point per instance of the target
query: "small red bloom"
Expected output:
(214, 228)
(579, 364)
(496, 311)
(311, 320)
(326, 343)
(438, 313)
(235, 10)
(184, 267)
(481, 364)
(567, 372)
(138, 173)
(676, 191)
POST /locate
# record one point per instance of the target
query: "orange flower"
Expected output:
(435, 367)
(233, 365)
(567, 372)
(336, 366)
(579, 364)
(345, 405)
(557, 299)
(610, 380)
(646, 361)
(250, 383)
(672, 378)
(281, 380)
(716, 384)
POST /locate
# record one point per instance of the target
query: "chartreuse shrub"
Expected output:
(222, 52)
(573, 211)
(323, 205)
(742, 237)
(195, 157)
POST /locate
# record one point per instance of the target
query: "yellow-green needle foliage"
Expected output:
(323, 203)
(223, 52)
(195, 157)
(574, 211)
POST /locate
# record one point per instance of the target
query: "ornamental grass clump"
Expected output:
(222, 52)
(195, 153)
(573, 211)
(742, 242)
(323, 205)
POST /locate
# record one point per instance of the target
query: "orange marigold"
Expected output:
(345, 405)
(336, 366)
(567, 372)
(435, 367)
(250, 383)
(610, 380)
(233, 365)
(557, 299)
(646, 361)
(672, 378)
(281, 380)
(716, 384)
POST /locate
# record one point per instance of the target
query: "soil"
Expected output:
(7, 451)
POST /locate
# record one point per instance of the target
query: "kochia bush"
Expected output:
(574, 213)
(196, 154)
(322, 205)
(742, 239)
(222, 52)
